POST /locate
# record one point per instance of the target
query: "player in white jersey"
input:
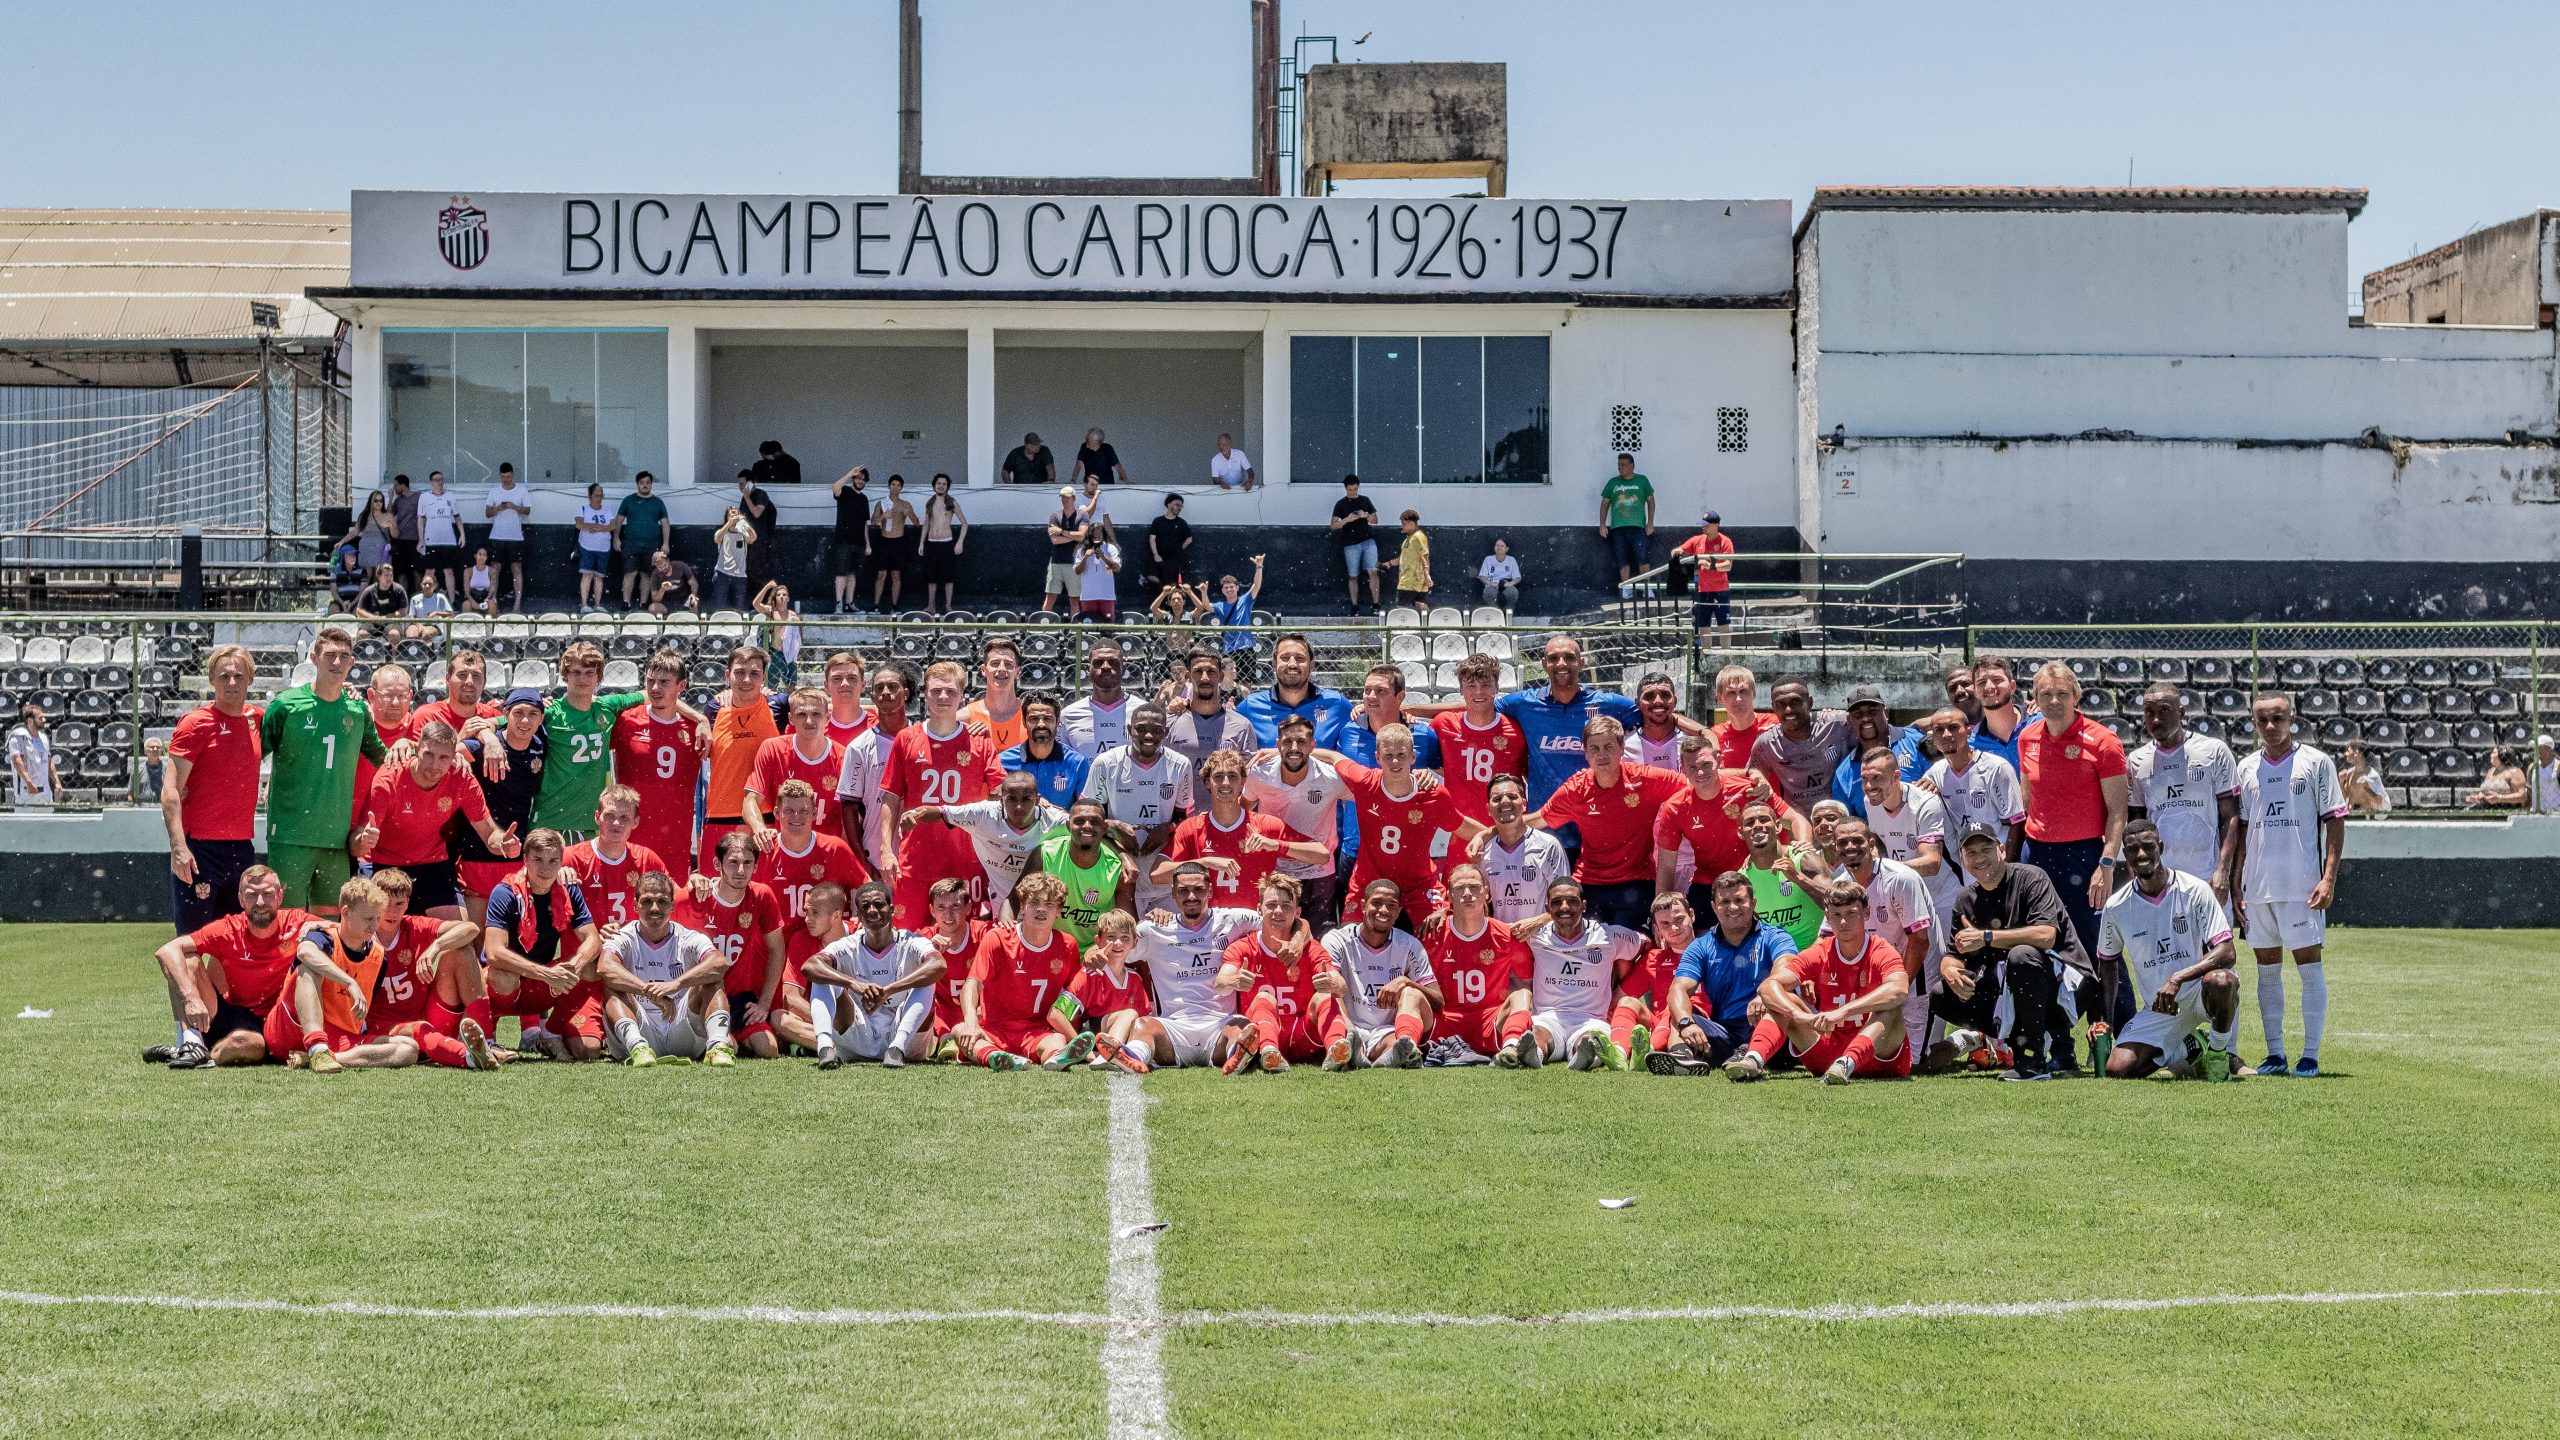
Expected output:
(1096, 722)
(1518, 861)
(662, 985)
(1390, 994)
(2172, 936)
(1181, 955)
(871, 991)
(1146, 787)
(2293, 819)
(1573, 976)
(2189, 786)
(1306, 795)
(1911, 824)
(858, 786)
(1006, 831)
(1977, 787)
(1900, 911)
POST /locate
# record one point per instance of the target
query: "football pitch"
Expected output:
(772, 1250)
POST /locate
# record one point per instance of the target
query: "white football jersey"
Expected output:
(665, 960)
(1663, 754)
(1519, 878)
(1312, 807)
(859, 784)
(1365, 970)
(1986, 791)
(1898, 905)
(1183, 962)
(1089, 728)
(1004, 852)
(1576, 979)
(906, 953)
(2159, 938)
(2181, 790)
(2283, 803)
(1145, 796)
(1922, 820)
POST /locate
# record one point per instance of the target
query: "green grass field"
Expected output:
(2428, 1160)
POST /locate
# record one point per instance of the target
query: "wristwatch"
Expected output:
(2106, 862)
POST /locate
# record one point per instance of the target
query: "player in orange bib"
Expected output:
(1292, 997)
(318, 1023)
(1837, 1007)
(1019, 971)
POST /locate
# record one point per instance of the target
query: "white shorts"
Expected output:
(1563, 1029)
(1192, 1037)
(2168, 1033)
(682, 1035)
(1368, 1040)
(868, 1037)
(2285, 925)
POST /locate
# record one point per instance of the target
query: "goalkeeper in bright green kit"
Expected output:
(315, 733)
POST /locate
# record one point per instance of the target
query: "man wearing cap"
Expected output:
(1066, 538)
(1030, 463)
(1709, 555)
(1871, 727)
(2009, 932)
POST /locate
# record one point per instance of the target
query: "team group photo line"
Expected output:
(1241, 878)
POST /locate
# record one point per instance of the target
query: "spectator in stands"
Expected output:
(480, 584)
(2542, 779)
(1097, 459)
(33, 781)
(1229, 467)
(1995, 692)
(595, 548)
(671, 585)
(426, 605)
(774, 465)
(849, 548)
(1626, 518)
(1499, 575)
(1169, 546)
(1066, 539)
(1097, 578)
(1095, 510)
(383, 602)
(372, 533)
(1030, 463)
(893, 544)
(2362, 784)
(729, 546)
(946, 534)
(1352, 519)
(1233, 612)
(778, 631)
(347, 577)
(440, 531)
(642, 532)
(1412, 563)
(2502, 787)
(404, 530)
(153, 776)
(1708, 557)
(509, 505)
(1179, 603)
(757, 507)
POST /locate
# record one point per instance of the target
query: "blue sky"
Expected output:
(295, 104)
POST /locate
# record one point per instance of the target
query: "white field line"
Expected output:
(1133, 1346)
(714, 1314)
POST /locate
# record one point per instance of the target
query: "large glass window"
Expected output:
(566, 407)
(1436, 409)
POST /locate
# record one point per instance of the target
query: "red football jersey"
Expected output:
(1734, 741)
(779, 760)
(656, 757)
(797, 946)
(1475, 974)
(739, 930)
(400, 996)
(1405, 840)
(1648, 978)
(366, 771)
(1470, 758)
(612, 888)
(1198, 835)
(1017, 982)
(253, 967)
(413, 817)
(921, 770)
(1836, 980)
(958, 956)
(222, 754)
(1100, 995)
(844, 734)
(1616, 821)
(1712, 824)
(446, 711)
(1292, 987)
(792, 877)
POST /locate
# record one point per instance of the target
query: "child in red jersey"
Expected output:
(1111, 1000)
(1020, 969)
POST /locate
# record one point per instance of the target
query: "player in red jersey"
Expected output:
(1640, 1020)
(609, 866)
(1477, 742)
(209, 796)
(956, 932)
(1837, 1007)
(1410, 832)
(848, 718)
(542, 946)
(388, 697)
(744, 921)
(1018, 972)
(790, 757)
(1483, 971)
(403, 820)
(1238, 846)
(1697, 834)
(225, 977)
(430, 992)
(318, 1023)
(466, 681)
(1738, 692)
(657, 755)
(940, 762)
(802, 858)
(1111, 999)
(822, 923)
(1613, 803)
(1290, 995)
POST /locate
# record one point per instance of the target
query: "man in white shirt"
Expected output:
(33, 780)
(1230, 468)
(1519, 861)
(1183, 956)
(1098, 580)
(2293, 820)
(1900, 911)
(439, 532)
(1146, 787)
(2189, 787)
(1096, 721)
(509, 505)
(1976, 786)
(2170, 932)
(1306, 795)
(1573, 969)
(871, 990)
(1389, 993)
(1007, 831)
(1911, 823)
(662, 985)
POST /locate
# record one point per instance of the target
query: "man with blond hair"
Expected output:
(316, 732)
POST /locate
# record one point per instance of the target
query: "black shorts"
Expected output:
(1711, 607)
(230, 1019)
(506, 552)
(844, 557)
(941, 561)
(435, 883)
(893, 552)
(216, 891)
(637, 562)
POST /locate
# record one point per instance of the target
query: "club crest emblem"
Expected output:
(462, 233)
(2178, 923)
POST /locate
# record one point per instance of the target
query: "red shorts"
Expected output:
(1832, 1046)
(283, 1032)
(1098, 609)
(579, 1012)
(1022, 1040)
(704, 862)
(740, 1028)
(1302, 1038)
(1422, 894)
(1481, 1028)
(480, 877)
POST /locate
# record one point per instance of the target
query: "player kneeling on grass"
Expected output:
(1573, 972)
(318, 1025)
(1837, 1007)
(871, 990)
(430, 989)
(1292, 999)
(542, 946)
(2174, 938)
(1020, 969)
(1389, 993)
(664, 991)
(1111, 1000)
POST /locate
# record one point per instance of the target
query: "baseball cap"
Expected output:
(1714, 519)
(1865, 695)
(1031, 437)
(525, 695)
(1977, 830)
(2542, 742)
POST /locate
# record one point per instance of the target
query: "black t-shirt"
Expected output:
(770, 518)
(1354, 531)
(1103, 462)
(1025, 469)
(777, 470)
(678, 582)
(382, 600)
(510, 800)
(1064, 552)
(2026, 897)
(853, 513)
(1171, 536)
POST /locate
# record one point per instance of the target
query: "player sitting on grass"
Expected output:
(1111, 999)
(956, 933)
(1573, 970)
(2173, 937)
(430, 991)
(1004, 1009)
(1715, 994)
(1292, 998)
(541, 944)
(1640, 1021)
(225, 977)
(1483, 972)
(1837, 1007)
(664, 994)
(742, 918)
(319, 1024)
(1184, 954)
(1389, 994)
(871, 991)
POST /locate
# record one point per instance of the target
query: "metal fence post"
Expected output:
(133, 693)
(2255, 665)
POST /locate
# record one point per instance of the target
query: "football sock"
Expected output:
(438, 1048)
(1622, 1026)
(2271, 1006)
(188, 1035)
(1410, 1027)
(715, 1025)
(479, 1013)
(1766, 1037)
(2227, 1037)
(914, 1009)
(1514, 1026)
(822, 1010)
(1861, 1053)
(629, 1030)
(2315, 1005)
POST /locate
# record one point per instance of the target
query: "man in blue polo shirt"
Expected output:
(1294, 692)
(1551, 717)
(1720, 973)
(1058, 770)
(1871, 725)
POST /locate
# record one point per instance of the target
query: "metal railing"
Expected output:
(1817, 602)
(55, 570)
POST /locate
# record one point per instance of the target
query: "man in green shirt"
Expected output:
(315, 732)
(1626, 517)
(1777, 887)
(640, 531)
(1096, 874)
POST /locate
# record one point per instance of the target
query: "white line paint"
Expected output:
(1833, 1314)
(1133, 1346)
(719, 1314)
